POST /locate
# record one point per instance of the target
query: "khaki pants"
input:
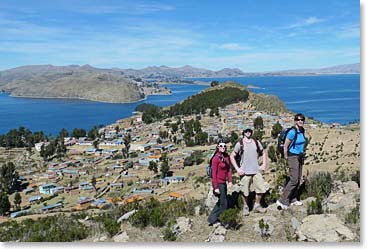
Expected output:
(290, 191)
(257, 181)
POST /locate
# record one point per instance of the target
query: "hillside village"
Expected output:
(68, 186)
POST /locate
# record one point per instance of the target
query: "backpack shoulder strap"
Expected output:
(295, 137)
(257, 146)
(241, 146)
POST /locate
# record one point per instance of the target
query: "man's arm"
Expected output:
(234, 163)
(265, 160)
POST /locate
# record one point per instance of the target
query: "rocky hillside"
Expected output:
(74, 82)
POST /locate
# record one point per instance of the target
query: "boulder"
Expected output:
(183, 225)
(344, 197)
(218, 235)
(126, 216)
(121, 237)
(324, 228)
(211, 199)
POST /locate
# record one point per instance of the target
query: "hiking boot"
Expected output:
(281, 206)
(258, 209)
(296, 203)
(245, 211)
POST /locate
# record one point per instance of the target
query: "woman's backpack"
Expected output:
(282, 137)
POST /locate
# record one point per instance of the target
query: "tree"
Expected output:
(127, 140)
(93, 133)
(77, 133)
(153, 167)
(174, 127)
(201, 138)
(94, 182)
(63, 133)
(258, 123)
(164, 168)
(272, 154)
(277, 128)
(17, 200)
(8, 177)
(233, 138)
(4, 203)
(214, 83)
(95, 144)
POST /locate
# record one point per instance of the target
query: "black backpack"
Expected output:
(208, 167)
(282, 137)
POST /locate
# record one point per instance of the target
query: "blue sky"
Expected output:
(261, 35)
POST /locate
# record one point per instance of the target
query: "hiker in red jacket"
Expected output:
(221, 170)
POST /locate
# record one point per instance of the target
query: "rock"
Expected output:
(122, 237)
(183, 225)
(101, 238)
(211, 200)
(324, 228)
(197, 210)
(126, 216)
(295, 224)
(344, 196)
(218, 235)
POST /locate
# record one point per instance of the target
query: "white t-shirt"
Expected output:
(249, 162)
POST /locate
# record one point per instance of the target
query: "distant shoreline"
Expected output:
(91, 100)
(272, 75)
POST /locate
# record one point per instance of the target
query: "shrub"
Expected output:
(315, 207)
(230, 218)
(319, 185)
(264, 229)
(354, 216)
(58, 228)
(169, 235)
(110, 224)
(356, 177)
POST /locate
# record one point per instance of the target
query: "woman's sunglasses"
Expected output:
(301, 119)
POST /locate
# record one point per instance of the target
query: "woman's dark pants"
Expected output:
(221, 205)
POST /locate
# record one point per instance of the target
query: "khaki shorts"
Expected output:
(256, 182)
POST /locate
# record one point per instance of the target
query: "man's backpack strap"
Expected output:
(259, 152)
(241, 147)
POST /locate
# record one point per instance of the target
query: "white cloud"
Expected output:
(349, 32)
(234, 46)
(305, 22)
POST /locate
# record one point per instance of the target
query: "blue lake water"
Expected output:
(329, 98)
(326, 98)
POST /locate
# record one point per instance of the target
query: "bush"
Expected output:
(230, 218)
(315, 207)
(110, 224)
(264, 229)
(319, 185)
(169, 235)
(158, 214)
(356, 177)
(354, 216)
(58, 228)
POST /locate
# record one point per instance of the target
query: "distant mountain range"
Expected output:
(341, 69)
(192, 72)
(122, 85)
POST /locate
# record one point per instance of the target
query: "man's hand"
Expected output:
(240, 172)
